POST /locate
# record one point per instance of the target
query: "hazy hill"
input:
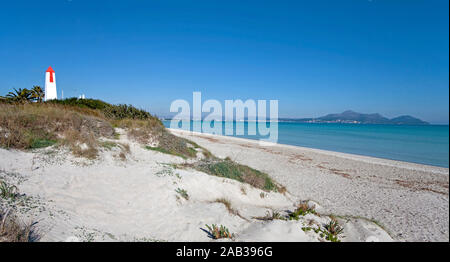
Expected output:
(350, 116)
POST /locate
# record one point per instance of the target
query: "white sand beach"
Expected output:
(109, 199)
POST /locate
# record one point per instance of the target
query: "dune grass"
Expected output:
(232, 170)
(218, 232)
(303, 208)
(110, 111)
(8, 191)
(35, 125)
(79, 124)
(12, 230)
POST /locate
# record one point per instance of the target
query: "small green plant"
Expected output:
(8, 191)
(332, 230)
(182, 193)
(302, 209)
(306, 229)
(217, 232)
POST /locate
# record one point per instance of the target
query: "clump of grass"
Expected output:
(332, 230)
(81, 144)
(227, 204)
(282, 189)
(124, 150)
(183, 193)
(271, 216)
(11, 230)
(229, 169)
(125, 147)
(122, 156)
(8, 191)
(217, 232)
(36, 125)
(302, 209)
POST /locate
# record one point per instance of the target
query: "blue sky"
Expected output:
(315, 57)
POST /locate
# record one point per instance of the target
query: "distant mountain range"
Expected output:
(359, 118)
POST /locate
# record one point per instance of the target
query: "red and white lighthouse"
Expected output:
(50, 84)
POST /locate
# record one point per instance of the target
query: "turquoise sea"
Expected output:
(426, 144)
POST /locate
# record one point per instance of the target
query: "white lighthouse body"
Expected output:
(50, 84)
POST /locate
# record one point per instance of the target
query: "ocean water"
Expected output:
(425, 144)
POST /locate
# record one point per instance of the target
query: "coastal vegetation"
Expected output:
(232, 170)
(227, 205)
(12, 230)
(271, 215)
(91, 128)
(332, 230)
(27, 122)
(8, 191)
(36, 94)
(183, 193)
(217, 232)
(302, 209)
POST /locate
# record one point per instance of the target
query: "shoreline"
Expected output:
(357, 157)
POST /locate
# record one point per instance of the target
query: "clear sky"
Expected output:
(315, 57)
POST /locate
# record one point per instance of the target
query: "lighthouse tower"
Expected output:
(50, 84)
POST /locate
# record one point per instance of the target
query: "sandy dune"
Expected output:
(109, 199)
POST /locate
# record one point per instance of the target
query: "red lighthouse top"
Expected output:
(51, 71)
